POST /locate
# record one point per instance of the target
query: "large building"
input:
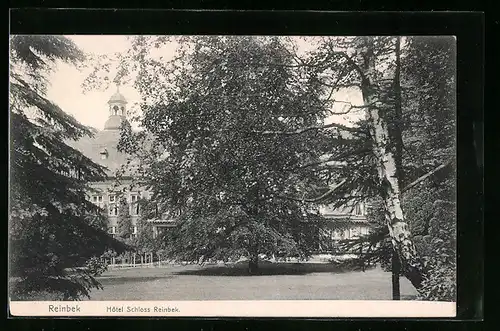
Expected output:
(345, 223)
(102, 148)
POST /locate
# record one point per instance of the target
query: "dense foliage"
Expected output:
(53, 229)
(426, 125)
(235, 144)
(124, 219)
(226, 170)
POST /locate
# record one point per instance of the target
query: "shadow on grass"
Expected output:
(127, 279)
(268, 269)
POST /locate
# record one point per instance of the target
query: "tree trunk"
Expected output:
(396, 133)
(361, 257)
(397, 136)
(396, 269)
(386, 166)
(253, 263)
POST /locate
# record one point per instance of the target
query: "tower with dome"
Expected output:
(102, 149)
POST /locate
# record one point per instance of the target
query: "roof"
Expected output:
(118, 98)
(114, 122)
(345, 218)
(103, 149)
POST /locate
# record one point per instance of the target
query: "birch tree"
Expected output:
(390, 190)
(402, 110)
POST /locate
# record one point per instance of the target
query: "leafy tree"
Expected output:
(144, 241)
(53, 229)
(124, 220)
(226, 169)
(439, 254)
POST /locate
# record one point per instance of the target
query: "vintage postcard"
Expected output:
(263, 176)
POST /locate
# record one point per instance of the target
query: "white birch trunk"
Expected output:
(387, 173)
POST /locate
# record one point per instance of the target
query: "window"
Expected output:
(115, 110)
(135, 210)
(134, 231)
(358, 209)
(113, 209)
(97, 200)
(112, 230)
(355, 232)
(134, 197)
(158, 231)
(112, 198)
(134, 204)
(104, 154)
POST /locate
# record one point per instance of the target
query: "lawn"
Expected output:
(276, 281)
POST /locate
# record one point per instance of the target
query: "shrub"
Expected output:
(438, 254)
(97, 266)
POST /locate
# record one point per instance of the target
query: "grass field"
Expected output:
(276, 281)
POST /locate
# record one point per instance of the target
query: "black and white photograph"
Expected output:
(175, 168)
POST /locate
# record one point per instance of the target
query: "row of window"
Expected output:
(351, 233)
(112, 231)
(113, 210)
(134, 197)
(118, 110)
(113, 205)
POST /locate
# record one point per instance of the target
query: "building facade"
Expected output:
(341, 223)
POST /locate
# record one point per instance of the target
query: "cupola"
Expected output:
(117, 111)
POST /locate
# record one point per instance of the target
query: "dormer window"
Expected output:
(104, 154)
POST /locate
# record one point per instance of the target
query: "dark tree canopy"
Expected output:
(54, 230)
(227, 172)
(124, 219)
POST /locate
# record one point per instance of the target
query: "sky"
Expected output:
(90, 107)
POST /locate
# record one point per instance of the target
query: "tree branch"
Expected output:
(351, 61)
(321, 197)
(316, 163)
(335, 188)
(350, 107)
(311, 128)
(337, 85)
(424, 177)
(333, 162)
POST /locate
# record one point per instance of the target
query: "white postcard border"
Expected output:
(265, 308)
